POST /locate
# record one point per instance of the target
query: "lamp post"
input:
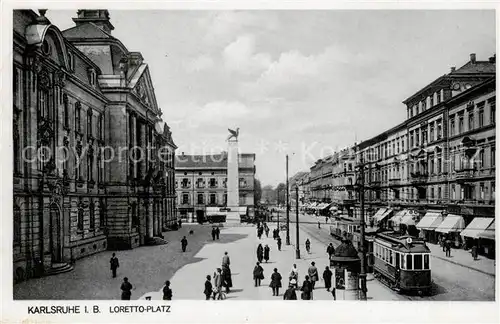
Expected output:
(297, 248)
(278, 209)
(287, 206)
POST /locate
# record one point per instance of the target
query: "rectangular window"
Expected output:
(480, 117)
(185, 199)
(452, 126)
(200, 199)
(481, 159)
(431, 133)
(471, 120)
(417, 262)
(426, 262)
(89, 122)
(492, 114)
(417, 138)
(213, 200)
(438, 136)
(409, 262)
(481, 190)
(92, 216)
(78, 111)
(101, 127)
(79, 224)
(411, 139)
(403, 261)
(439, 193)
(66, 110)
(492, 162)
(460, 124)
(101, 213)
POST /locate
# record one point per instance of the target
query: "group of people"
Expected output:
(221, 278)
(261, 228)
(215, 233)
(445, 243)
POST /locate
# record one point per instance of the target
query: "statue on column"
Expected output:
(233, 134)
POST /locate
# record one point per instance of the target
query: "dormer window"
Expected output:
(92, 77)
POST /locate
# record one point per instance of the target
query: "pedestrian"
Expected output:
(294, 275)
(260, 232)
(114, 264)
(330, 250)
(279, 243)
(126, 288)
(441, 242)
(225, 260)
(167, 292)
(266, 253)
(180, 223)
(306, 289)
(313, 274)
(474, 252)
(226, 278)
(327, 277)
(217, 282)
(258, 274)
(290, 293)
(448, 248)
(308, 246)
(213, 233)
(184, 243)
(267, 231)
(260, 253)
(217, 232)
(319, 225)
(275, 282)
(208, 288)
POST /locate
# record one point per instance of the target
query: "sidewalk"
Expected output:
(464, 258)
(188, 282)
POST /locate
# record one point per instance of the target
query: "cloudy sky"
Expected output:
(298, 82)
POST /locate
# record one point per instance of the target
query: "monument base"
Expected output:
(233, 217)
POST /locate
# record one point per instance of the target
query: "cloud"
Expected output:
(200, 63)
(240, 56)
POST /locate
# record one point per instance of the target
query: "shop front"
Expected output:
(451, 227)
(428, 225)
(471, 233)
(487, 241)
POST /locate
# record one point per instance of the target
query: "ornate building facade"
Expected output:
(201, 183)
(81, 99)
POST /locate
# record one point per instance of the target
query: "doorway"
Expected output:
(200, 216)
(55, 234)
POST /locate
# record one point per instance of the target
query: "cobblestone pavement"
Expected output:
(146, 267)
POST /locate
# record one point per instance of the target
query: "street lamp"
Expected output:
(297, 249)
(287, 206)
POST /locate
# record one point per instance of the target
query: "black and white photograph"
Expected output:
(231, 154)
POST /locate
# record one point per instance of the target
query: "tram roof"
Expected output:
(400, 242)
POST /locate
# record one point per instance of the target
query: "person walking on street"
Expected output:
(114, 264)
(167, 292)
(327, 277)
(294, 275)
(308, 246)
(279, 243)
(213, 233)
(474, 252)
(217, 282)
(275, 282)
(330, 250)
(260, 253)
(441, 242)
(319, 225)
(267, 231)
(266, 253)
(184, 243)
(126, 288)
(448, 248)
(225, 260)
(208, 288)
(217, 232)
(258, 274)
(290, 293)
(180, 223)
(306, 289)
(313, 274)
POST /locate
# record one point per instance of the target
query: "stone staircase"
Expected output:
(58, 268)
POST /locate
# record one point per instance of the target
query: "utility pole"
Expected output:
(278, 208)
(287, 206)
(297, 249)
(362, 275)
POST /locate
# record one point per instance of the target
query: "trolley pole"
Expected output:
(362, 275)
(287, 206)
(297, 250)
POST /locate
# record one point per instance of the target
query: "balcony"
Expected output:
(418, 178)
(394, 181)
(348, 201)
(464, 175)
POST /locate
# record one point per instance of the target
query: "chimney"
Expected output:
(452, 69)
(97, 17)
(473, 58)
(493, 58)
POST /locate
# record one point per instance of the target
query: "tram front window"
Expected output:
(409, 262)
(417, 264)
(426, 262)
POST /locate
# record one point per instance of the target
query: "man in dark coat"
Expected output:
(260, 253)
(217, 232)
(114, 264)
(327, 277)
(167, 292)
(226, 278)
(275, 282)
(266, 253)
(208, 288)
(448, 247)
(126, 288)
(290, 293)
(225, 260)
(313, 274)
(213, 233)
(330, 250)
(279, 243)
(258, 274)
(180, 223)
(474, 252)
(306, 289)
(184, 243)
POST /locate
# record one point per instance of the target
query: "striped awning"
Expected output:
(452, 223)
(430, 221)
(379, 213)
(380, 217)
(489, 233)
(477, 226)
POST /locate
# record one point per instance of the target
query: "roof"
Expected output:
(475, 68)
(87, 30)
(201, 161)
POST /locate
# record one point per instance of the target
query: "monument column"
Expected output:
(233, 196)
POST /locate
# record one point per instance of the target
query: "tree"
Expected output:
(257, 191)
(281, 194)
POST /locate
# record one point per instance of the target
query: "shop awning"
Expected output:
(398, 217)
(411, 217)
(452, 223)
(325, 206)
(489, 233)
(430, 221)
(214, 211)
(379, 213)
(477, 226)
(381, 217)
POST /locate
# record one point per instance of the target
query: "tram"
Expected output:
(402, 262)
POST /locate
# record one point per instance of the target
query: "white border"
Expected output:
(233, 311)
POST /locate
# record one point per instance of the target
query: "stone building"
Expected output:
(81, 99)
(201, 183)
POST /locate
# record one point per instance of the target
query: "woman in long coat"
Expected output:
(327, 277)
(266, 253)
(275, 282)
(258, 274)
(260, 253)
